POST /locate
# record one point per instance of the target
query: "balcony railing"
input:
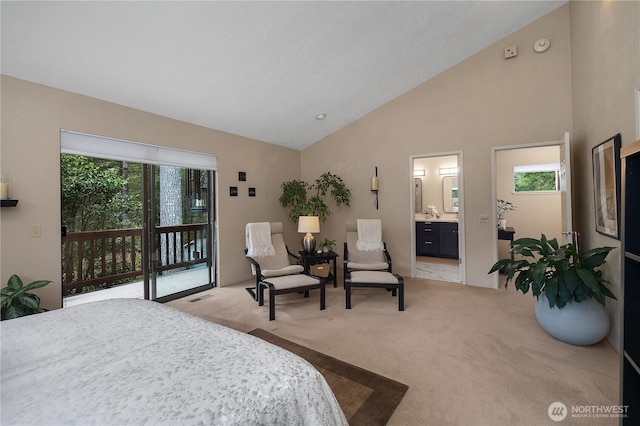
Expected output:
(93, 259)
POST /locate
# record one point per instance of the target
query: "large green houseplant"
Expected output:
(308, 199)
(569, 288)
(557, 270)
(16, 302)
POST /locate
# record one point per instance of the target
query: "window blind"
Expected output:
(534, 168)
(117, 149)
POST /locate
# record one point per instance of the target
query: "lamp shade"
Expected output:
(308, 224)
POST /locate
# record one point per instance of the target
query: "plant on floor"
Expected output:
(16, 302)
(305, 199)
(559, 271)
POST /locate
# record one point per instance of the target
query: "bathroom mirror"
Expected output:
(418, 197)
(450, 194)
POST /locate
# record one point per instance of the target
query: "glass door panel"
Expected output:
(102, 235)
(181, 232)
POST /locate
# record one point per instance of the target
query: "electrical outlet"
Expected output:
(511, 52)
(484, 218)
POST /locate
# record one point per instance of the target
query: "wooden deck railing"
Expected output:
(105, 258)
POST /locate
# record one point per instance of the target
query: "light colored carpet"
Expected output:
(470, 356)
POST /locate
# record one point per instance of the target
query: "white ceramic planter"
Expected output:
(584, 323)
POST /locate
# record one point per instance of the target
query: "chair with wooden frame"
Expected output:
(369, 269)
(277, 274)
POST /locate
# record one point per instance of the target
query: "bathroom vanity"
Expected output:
(437, 238)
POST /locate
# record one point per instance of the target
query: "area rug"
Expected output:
(366, 398)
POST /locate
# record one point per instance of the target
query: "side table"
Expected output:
(506, 234)
(315, 258)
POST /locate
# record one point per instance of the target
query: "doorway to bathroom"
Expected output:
(437, 217)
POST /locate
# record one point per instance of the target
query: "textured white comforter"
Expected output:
(130, 361)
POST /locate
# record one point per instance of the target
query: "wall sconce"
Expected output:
(374, 186)
(449, 171)
(308, 224)
(5, 193)
(419, 172)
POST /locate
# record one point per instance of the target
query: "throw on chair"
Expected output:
(367, 263)
(269, 257)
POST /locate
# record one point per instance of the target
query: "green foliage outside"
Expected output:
(535, 181)
(97, 195)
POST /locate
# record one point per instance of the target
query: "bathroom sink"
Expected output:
(447, 217)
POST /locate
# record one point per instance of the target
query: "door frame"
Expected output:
(494, 171)
(412, 214)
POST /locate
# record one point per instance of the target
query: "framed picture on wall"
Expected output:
(606, 186)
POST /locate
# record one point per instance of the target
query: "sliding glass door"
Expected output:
(181, 232)
(138, 220)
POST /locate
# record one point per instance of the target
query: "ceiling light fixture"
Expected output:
(321, 116)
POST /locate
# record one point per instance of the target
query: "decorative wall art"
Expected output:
(233, 191)
(606, 186)
(252, 192)
(242, 176)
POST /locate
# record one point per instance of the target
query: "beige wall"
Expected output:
(32, 116)
(536, 213)
(484, 101)
(605, 56)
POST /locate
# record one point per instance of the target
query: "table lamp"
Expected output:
(307, 225)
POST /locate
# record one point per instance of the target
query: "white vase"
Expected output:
(584, 323)
(502, 223)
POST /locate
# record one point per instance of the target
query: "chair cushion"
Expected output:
(292, 281)
(381, 266)
(373, 277)
(287, 270)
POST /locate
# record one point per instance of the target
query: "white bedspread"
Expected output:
(127, 361)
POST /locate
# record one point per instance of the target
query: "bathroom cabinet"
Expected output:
(437, 239)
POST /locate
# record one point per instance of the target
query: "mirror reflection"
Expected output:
(450, 194)
(418, 194)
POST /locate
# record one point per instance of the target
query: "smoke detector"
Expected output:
(541, 45)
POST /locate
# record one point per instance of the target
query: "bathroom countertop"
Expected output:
(443, 218)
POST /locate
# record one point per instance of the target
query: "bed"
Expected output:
(125, 361)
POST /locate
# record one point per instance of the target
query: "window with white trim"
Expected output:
(536, 178)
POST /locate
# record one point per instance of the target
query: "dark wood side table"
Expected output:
(506, 234)
(315, 258)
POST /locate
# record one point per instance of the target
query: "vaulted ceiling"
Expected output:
(263, 70)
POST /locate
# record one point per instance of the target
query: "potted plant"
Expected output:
(502, 208)
(305, 199)
(327, 245)
(568, 286)
(16, 302)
